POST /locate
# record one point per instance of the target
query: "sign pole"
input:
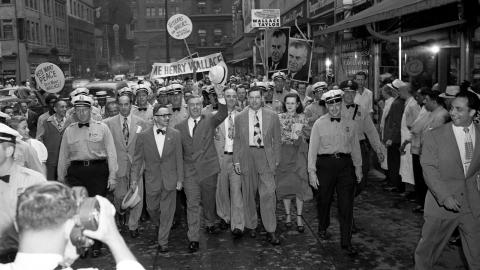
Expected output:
(265, 52)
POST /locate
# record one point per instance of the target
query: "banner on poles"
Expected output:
(201, 64)
(265, 18)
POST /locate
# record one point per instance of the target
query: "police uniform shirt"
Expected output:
(330, 137)
(146, 115)
(87, 143)
(365, 124)
(20, 179)
(50, 261)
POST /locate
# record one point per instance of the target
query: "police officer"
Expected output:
(71, 116)
(14, 179)
(87, 154)
(317, 108)
(143, 109)
(178, 110)
(334, 162)
(281, 88)
(162, 96)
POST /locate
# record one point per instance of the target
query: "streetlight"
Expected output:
(434, 49)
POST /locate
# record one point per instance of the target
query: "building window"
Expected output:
(6, 2)
(202, 6)
(217, 32)
(37, 32)
(150, 12)
(46, 7)
(161, 12)
(217, 10)
(33, 4)
(6, 29)
(203, 42)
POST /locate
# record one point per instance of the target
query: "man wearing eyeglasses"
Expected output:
(125, 128)
(159, 151)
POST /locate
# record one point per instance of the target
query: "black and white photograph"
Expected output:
(299, 59)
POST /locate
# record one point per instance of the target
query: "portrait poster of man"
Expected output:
(277, 48)
(299, 59)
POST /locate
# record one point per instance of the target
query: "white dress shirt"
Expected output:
(460, 138)
(159, 139)
(365, 99)
(43, 261)
(191, 124)
(228, 141)
(251, 120)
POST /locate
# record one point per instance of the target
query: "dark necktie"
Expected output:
(335, 119)
(160, 131)
(231, 127)
(194, 127)
(126, 132)
(176, 109)
(350, 106)
(257, 131)
(80, 125)
(5, 178)
(468, 148)
(142, 109)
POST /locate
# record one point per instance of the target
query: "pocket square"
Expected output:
(139, 129)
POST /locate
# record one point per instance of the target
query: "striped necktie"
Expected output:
(230, 127)
(126, 133)
(468, 148)
(257, 131)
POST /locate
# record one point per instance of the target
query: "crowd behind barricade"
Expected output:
(219, 153)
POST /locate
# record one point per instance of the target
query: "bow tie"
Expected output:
(335, 119)
(80, 125)
(142, 109)
(5, 178)
(176, 109)
(161, 131)
(350, 106)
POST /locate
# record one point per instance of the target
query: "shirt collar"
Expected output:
(192, 119)
(37, 261)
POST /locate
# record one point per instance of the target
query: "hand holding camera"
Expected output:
(107, 231)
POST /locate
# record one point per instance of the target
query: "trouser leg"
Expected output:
(136, 212)
(193, 194)
(208, 187)
(167, 211)
(223, 195)
(420, 186)
(326, 174)
(470, 233)
(393, 157)
(266, 190)
(435, 234)
(152, 199)
(236, 199)
(345, 194)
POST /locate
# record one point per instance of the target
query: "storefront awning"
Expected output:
(385, 10)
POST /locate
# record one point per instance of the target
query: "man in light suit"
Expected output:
(229, 185)
(451, 166)
(256, 154)
(125, 128)
(201, 165)
(159, 149)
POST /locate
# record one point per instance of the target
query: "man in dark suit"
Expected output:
(159, 150)
(201, 165)
(298, 60)
(278, 58)
(451, 166)
(256, 154)
(32, 118)
(392, 139)
(125, 128)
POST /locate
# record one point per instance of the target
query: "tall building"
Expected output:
(212, 30)
(81, 35)
(32, 32)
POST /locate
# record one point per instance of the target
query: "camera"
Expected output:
(87, 218)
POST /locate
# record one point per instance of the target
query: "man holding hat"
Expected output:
(143, 109)
(125, 128)
(87, 154)
(317, 108)
(14, 179)
(334, 163)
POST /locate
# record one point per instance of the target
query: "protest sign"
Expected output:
(49, 77)
(201, 64)
(179, 26)
(265, 18)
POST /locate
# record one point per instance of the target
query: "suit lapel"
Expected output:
(132, 131)
(476, 153)
(265, 121)
(153, 143)
(451, 141)
(120, 129)
(167, 143)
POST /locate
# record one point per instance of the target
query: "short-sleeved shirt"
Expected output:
(365, 99)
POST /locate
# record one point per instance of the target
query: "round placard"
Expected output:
(179, 26)
(49, 77)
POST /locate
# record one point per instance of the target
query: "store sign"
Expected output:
(188, 66)
(298, 11)
(317, 7)
(414, 67)
(355, 56)
(49, 77)
(265, 18)
(179, 26)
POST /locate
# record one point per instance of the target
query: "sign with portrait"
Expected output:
(299, 59)
(277, 44)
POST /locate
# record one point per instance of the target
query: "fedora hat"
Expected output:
(450, 92)
(131, 199)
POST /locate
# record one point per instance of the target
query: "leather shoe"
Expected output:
(224, 225)
(162, 249)
(273, 239)
(322, 234)
(350, 250)
(237, 233)
(134, 233)
(213, 229)
(252, 233)
(193, 246)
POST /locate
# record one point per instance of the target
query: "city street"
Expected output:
(388, 234)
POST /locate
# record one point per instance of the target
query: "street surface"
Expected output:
(388, 235)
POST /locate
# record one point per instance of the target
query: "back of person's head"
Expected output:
(45, 206)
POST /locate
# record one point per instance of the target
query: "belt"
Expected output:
(334, 155)
(254, 146)
(87, 163)
(228, 153)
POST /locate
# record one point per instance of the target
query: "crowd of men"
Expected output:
(210, 152)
